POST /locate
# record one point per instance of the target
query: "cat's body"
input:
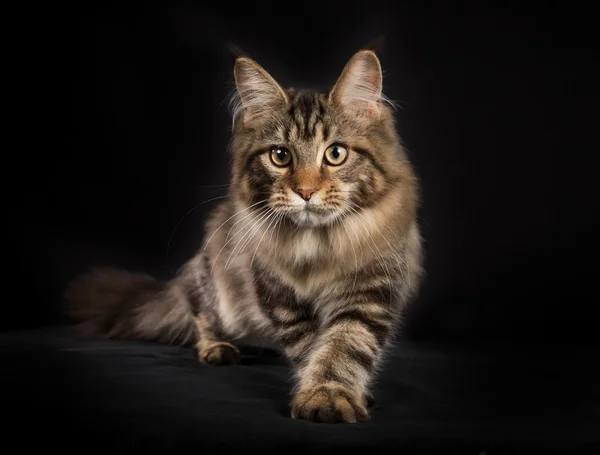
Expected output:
(316, 247)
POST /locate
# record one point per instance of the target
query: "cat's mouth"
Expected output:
(312, 216)
(311, 208)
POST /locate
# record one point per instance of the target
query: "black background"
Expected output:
(127, 126)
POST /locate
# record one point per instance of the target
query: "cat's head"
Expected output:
(314, 157)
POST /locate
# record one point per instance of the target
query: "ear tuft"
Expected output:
(235, 51)
(375, 45)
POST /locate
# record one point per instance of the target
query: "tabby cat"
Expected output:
(316, 246)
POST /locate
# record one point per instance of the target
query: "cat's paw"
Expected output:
(329, 403)
(220, 353)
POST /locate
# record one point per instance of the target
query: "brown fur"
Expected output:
(318, 257)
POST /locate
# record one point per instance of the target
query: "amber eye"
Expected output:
(281, 156)
(336, 155)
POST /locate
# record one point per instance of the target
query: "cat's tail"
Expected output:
(119, 304)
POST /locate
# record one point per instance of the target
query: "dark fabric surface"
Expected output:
(133, 397)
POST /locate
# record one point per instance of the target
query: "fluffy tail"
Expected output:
(119, 304)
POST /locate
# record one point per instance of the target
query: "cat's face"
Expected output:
(309, 157)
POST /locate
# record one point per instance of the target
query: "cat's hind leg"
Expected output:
(210, 347)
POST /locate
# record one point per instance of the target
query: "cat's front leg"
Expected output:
(333, 382)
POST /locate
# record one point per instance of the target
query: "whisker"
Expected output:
(235, 214)
(214, 199)
(213, 186)
(399, 257)
(258, 211)
(183, 217)
(248, 234)
(254, 230)
(424, 220)
(353, 249)
(378, 219)
(279, 218)
(380, 258)
(261, 210)
(275, 218)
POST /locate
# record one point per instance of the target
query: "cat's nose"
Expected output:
(306, 194)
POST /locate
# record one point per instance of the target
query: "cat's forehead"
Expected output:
(305, 119)
(308, 120)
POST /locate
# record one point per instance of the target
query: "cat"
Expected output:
(316, 247)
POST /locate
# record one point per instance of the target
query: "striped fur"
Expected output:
(327, 278)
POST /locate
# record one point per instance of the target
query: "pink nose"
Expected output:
(306, 193)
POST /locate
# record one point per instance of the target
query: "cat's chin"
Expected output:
(310, 219)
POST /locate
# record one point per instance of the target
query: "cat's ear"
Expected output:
(257, 93)
(359, 87)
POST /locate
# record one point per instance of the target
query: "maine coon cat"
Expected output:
(316, 246)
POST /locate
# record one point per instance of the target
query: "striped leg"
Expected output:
(334, 380)
(296, 331)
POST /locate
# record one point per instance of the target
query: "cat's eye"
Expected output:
(281, 156)
(336, 155)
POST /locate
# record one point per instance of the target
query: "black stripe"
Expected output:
(380, 331)
(379, 295)
(300, 116)
(301, 359)
(371, 158)
(327, 374)
(321, 108)
(299, 318)
(299, 121)
(313, 130)
(296, 115)
(298, 360)
(318, 117)
(309, 108)
(298, 333)
(251, 157)
(292, 114)
(325, 132)
(362, 358)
